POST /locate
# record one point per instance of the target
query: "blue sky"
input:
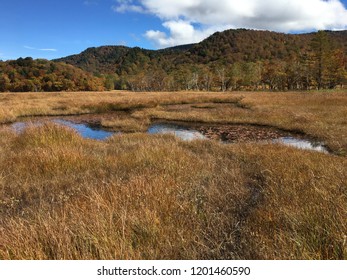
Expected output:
(51, 29)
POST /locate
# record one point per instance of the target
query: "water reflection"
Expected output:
(84, 130)
(177, 130)
(301, 144)
(191, 134)
(87, 131)
(180, 131)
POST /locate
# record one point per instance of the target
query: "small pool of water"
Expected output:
(301, 144)
(182, 132)
(189, 134)
(86, 131)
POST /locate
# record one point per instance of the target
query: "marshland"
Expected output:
(136, 195)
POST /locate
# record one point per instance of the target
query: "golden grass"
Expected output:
(139, 196)
(126, 123)
(302, 210)
(74, 103)
(132, 197)
(321, 115)
(155, 197)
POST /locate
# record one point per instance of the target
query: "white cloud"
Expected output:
(181, 32)
(189, 21)
(36, 49)
(128, 6)
(48, 50)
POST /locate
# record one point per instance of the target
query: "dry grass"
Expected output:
(126, 123)
(131, 197)
(48, 104)
(138, 196)
(321, 115)
(302, 209)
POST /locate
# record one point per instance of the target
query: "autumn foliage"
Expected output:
(26, 74)
(230, 60)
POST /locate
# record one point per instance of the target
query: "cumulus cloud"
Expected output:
(181, 32)
(188, 21)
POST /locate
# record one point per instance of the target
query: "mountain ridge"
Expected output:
(236, 44)
(235, 59)
(248, 58)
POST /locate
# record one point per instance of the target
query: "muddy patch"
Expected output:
(240, 133)
(90, 127)
(237, 134)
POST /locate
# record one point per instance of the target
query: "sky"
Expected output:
(52, 29)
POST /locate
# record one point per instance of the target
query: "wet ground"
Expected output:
(89, 127)
(237, 134)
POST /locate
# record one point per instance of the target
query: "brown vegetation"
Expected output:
(137, 196)
(231, 60)
(29, 75)
(226, 61)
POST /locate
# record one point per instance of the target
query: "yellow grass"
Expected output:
(321, 115)
(137, 196)
(125, 123)
(60, 103)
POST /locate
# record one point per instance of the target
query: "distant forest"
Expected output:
(230, 60)
(26, 74)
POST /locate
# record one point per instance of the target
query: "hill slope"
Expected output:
(232, 59)
(230, 46)
(251, 46)
(27, 74)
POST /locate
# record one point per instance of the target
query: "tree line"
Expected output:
(228, 61)
(316, 64)
(29, 75)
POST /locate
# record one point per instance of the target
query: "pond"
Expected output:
(85, 130)
(301, 144)
(244, 133)
(225, 134)
(182, 132)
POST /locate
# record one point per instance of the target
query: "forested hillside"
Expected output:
(230, 60)
(26, 74)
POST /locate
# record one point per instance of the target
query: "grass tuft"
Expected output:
(139, 196)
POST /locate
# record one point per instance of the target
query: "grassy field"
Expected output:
(139, 196)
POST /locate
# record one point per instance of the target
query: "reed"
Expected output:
(139, 196)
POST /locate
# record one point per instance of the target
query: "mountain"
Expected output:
(236, 45)
(251, 46)
(233, 59)
(98, 60)
(236, 59)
